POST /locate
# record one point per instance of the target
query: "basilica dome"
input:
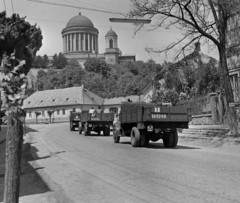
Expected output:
(79, 37)
(80, 21)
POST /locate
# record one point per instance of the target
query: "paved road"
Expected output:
(94, 169)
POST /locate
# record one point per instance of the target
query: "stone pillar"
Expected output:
(92, 42)
(89, 46)
(74, 42)
(97, 44)
(84, 42)
(63, 44)
(213, 107)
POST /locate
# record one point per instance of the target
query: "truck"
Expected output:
(145, 122)
(74, 120)
(96, 122)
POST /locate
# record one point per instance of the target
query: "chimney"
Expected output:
(197, 47)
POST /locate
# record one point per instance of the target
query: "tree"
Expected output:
(19, 42)
(41, 80)
(72, 76)
(204, 20)
(50, 113)
(165, 96)
(59, 61)
(37, 113)
(98, 66)
(45, 61)
(38, 62)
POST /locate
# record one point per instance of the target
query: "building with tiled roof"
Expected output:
(61, 102)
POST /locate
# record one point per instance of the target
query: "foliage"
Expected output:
(71, 76)
(165, 96)
(97, 66)
(19, 42)
(204, 21)
(59, 61)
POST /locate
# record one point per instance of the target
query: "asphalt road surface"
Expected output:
(94, 169)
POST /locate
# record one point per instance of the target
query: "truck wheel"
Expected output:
(135, 137)
(107, 131)
(142, 138)
(175, 138)
(147, 140)
(168, 139)
(116, 136)
(86, 130)
(80, 130)
(71, 127)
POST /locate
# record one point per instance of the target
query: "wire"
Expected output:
(80, 7)
(90, 5)
(53, 21)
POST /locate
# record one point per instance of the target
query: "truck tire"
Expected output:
(147, 140)
(116, 136)
(135, 137)
(175, 138)
(80, 130)
(142, 137)
(168, 139)
(106, 131)
(71, 127)
(86, 130)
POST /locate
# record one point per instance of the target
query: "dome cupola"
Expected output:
(111, 33)
(80, 21)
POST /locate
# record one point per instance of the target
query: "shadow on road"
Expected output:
(31, 182)
(28, 130)
(161, 146)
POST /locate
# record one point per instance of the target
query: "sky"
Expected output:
(52, 19)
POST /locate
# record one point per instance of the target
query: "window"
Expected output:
(77, 41)
(57, 111)
(43, 113)
(69, 42)
(30, 114)
(74, 109)
(63, 112)
(82, 41)
(110, 43)
(72, 42)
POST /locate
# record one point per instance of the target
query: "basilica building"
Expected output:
(80, 42)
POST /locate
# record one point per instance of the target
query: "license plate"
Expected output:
(159, 116)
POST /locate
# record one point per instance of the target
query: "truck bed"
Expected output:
(143, 112)
(97, 117)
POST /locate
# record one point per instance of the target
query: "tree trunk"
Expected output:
(231, 111)
(14, 142)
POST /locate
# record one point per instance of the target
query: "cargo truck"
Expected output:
(74, 120)
(145, 122)
(96, 122)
